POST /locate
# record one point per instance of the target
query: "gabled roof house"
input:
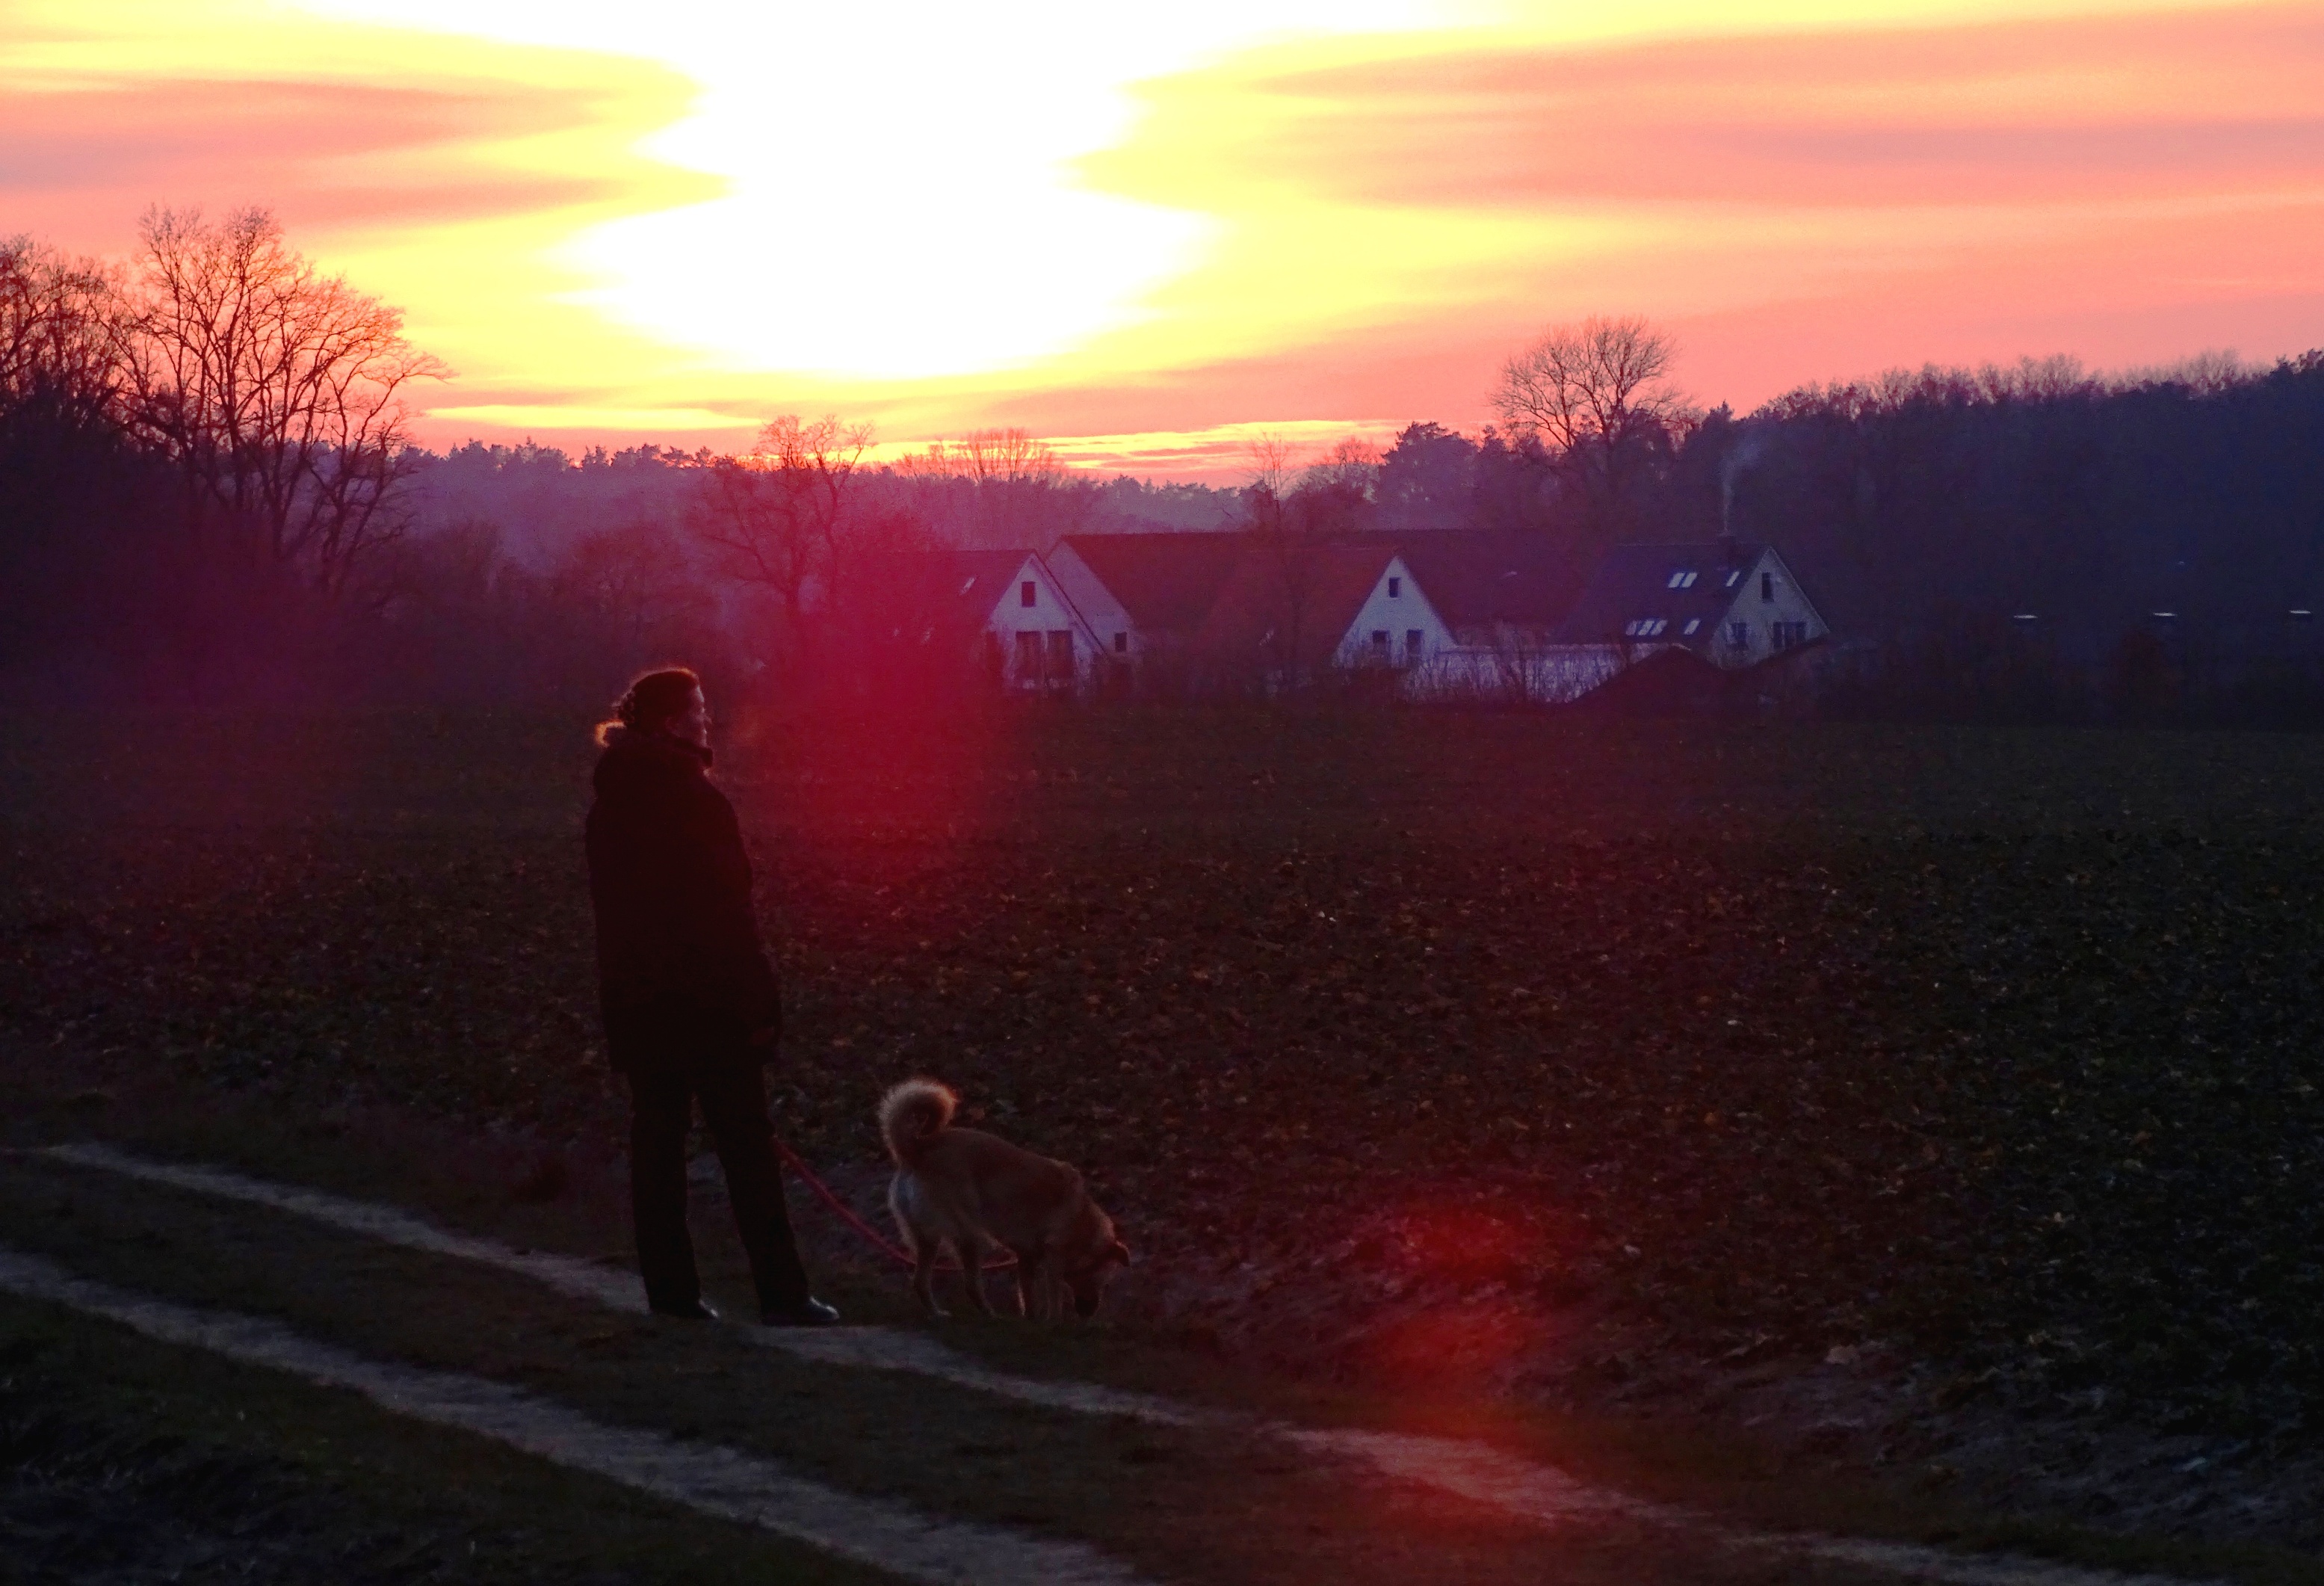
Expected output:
(1142, 592)
(1288, 614)
(1732, 603)
(1004, 610)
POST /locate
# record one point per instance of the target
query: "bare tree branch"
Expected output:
(1597, 393)
(277, 389)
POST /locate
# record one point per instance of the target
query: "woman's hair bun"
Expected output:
(652, 698)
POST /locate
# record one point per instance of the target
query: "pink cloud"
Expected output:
(2198, 102)
(81, 164)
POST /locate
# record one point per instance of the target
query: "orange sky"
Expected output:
(1146, 237)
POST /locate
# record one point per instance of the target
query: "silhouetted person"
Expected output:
(691, 1005)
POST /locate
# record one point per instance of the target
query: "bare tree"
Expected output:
(777, 517)
(1352, 467)
(275, 388)
(1597, 393)
(1018, 490)
(62, 324)
(813, 466)
(633, 580)
(1293, 517)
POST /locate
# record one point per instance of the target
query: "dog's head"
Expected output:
(1096, 1256)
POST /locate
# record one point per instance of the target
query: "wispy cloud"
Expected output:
(1147, 246)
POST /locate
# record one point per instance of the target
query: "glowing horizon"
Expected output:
(1145, 237)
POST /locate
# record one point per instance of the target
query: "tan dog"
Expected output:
(972, 1191)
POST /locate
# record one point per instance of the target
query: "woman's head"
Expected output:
(666, 701)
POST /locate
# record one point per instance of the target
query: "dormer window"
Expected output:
(1692, 624)
(1734, 577)
(970, 585)
(1682, 579)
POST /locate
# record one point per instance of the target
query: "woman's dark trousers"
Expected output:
(723, 1073)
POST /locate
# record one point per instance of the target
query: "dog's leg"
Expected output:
(924, 1275)
(973, 1251)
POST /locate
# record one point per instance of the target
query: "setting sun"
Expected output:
(1097, 224)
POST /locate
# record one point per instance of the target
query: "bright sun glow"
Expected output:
(899, 194)
(1143, 232)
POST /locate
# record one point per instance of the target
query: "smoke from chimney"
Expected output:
(1741, 455)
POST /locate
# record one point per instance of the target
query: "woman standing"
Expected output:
(691, 1005)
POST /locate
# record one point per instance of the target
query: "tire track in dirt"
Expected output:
(706, 1478)
(1526, 1488)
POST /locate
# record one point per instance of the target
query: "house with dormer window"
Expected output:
(1732, 603)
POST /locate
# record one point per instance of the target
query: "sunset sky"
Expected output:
(1144, 231)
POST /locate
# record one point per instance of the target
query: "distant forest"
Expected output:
(206, 492)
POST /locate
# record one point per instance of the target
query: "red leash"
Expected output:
(847, 1214)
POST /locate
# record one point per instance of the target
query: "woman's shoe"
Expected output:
(808, 1313)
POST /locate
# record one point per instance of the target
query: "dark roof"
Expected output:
(1634, 581)
(1166, 582)
(1473, 578)
(1317, 588)
(946, 594)
(1481, 577)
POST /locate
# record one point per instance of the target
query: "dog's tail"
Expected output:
(913, 1114)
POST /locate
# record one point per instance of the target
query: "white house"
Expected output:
(1456, 613)
(1733, 604)
(1003, 612)
(1145, 596)
(1035, 640)
(1395, 624)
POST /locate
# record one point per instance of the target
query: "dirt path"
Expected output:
(1525, 1491)
(715, 1481)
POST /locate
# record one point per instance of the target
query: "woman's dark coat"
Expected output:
(679, 956)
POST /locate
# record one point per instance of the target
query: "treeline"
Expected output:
(539, 496)
(2030, 542)
(202, 463)
(207, 491)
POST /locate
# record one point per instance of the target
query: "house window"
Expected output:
(1395, 589)
(1061, 655)
(1739, 634)
(1789, 635)
(1028, 656)
(1121, 644)
(1412, 642)
(1029, 593)
(1766, 587)
(1692, 624)
(1379, 642)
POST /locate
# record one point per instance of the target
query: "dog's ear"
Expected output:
(1119, 1252)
